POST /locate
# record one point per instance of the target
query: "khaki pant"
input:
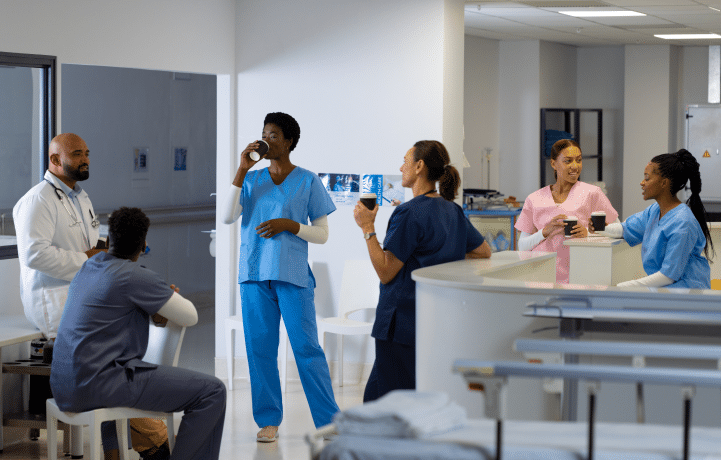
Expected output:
(146, 433)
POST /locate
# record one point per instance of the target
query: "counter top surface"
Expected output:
(485, 275)
(17, 329)
(593, 241)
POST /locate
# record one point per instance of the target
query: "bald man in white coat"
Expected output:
(57, 231)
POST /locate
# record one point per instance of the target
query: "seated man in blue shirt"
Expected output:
(103, 336)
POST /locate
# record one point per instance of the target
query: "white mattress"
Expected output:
(535, 440)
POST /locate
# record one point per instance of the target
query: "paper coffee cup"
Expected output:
(260, 152)
(369, 200)
(598, 220)
(570, 221)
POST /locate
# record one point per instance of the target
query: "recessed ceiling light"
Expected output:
(688, 36)
(600, 14)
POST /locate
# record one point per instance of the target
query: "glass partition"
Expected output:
(27, 124)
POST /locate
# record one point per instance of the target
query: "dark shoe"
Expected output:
(156, 453)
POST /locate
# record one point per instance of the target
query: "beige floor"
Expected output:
(240, 430)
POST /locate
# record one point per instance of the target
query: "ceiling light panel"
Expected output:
(631, 4)
(593, 13)
(632, 21)
(689, 36)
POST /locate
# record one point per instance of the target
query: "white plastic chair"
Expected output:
(235, 323)
(163, 348)
(359, 291)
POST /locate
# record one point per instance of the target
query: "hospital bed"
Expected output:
(496, 438)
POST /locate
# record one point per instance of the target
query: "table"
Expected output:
(13, 330)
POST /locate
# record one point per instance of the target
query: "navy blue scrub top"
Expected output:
(421, 232)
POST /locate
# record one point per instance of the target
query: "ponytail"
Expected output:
(681, 167)
(449, 183)
(438, 162)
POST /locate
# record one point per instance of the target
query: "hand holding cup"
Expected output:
(598, 221)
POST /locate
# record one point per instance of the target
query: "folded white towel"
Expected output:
(403, 414)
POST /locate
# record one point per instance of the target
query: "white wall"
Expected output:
(481, 110)
(519, 115)
(365, 80)
(646, 110)
(557, 75)
(599, 84)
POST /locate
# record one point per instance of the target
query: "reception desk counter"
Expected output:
(602, 260)
(475, 309)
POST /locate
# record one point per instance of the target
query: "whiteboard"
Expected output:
(703, 140)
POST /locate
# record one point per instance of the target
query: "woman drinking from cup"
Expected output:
(276, 204)
(541, 222)
(673, 234)
(428, 230)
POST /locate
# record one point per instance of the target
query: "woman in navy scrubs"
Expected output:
(428, 230)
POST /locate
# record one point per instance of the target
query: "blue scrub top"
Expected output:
(421, 232)
(672, 245)
(300, 197)
(103, 333)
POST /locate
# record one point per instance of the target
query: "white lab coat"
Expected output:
(51, 249)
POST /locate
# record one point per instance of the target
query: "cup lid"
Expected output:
(598, 213)
(571, 218)
(368, 195)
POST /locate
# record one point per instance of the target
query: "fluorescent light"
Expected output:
(688, 36)
(715, 9)
(600, 14)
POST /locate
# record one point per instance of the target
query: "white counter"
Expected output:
(474, 309)
(602, 260)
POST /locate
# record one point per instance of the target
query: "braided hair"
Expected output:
(681, 167)
(436, 158)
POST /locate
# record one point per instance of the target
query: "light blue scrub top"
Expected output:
(302, 198)
(672, 245)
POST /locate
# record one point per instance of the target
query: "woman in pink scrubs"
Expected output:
(541, 221)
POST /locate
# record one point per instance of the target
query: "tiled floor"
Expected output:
(240, 429)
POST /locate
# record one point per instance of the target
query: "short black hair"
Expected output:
(127, 229)
(287, 124)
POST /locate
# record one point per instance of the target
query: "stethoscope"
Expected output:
(95, 223)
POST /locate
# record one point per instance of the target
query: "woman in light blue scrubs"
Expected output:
(277, 204)
(675, 236)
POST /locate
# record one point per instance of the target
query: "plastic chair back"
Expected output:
(360, 286)
(164, 344)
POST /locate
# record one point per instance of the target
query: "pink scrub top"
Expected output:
(539, 208)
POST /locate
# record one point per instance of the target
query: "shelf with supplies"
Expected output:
(497, 226)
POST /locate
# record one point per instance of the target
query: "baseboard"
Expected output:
(354, 373)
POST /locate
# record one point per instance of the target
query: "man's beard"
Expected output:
(76, 174)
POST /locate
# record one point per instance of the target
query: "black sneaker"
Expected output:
(156, 453)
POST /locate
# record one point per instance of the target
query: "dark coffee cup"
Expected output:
(260, 152)
(598, 220)
(369, 200)
(570, 221)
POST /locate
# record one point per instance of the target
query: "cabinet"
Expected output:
(569, 120)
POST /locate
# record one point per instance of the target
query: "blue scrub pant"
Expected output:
(263, 303)
(172, 389)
